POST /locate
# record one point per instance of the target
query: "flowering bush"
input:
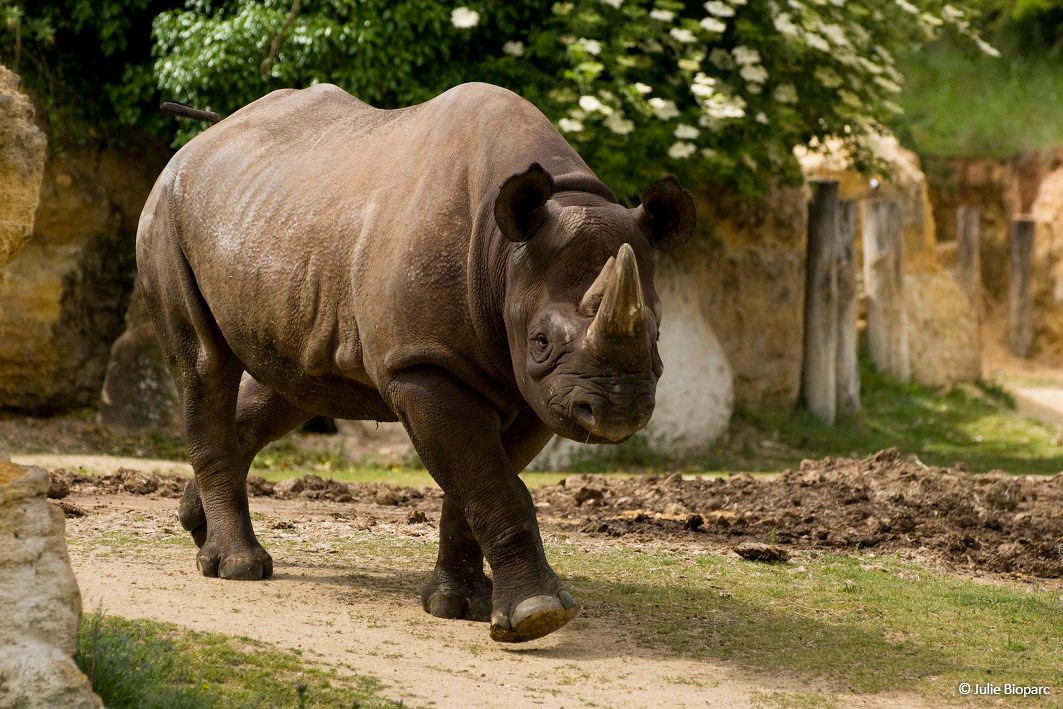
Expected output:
(720, 90)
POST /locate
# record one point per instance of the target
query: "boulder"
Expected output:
(138, 394)
(22, 148)
(65, 294)
(40, 604)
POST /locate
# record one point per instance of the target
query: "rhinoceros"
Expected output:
(454, 265)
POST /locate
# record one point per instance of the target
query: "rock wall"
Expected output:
(22, 148)
(65, 294)
(1030, 184)
(40, 605)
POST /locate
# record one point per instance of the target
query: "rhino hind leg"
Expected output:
(459, 588)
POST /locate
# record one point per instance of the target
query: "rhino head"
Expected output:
(582, 316)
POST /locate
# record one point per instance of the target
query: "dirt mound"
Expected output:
(992, 522)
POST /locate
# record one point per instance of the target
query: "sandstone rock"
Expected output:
(943, 337)
(138, 393)
(1047, 282)
(65, 293)
(40, 605)
(22, 147)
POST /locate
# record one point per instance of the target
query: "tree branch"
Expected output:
(278, 40)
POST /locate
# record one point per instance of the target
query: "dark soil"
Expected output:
(992, 522)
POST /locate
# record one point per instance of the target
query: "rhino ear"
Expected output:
(521, 205)
(667, 214)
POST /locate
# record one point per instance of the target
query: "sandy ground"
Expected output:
(370, 622)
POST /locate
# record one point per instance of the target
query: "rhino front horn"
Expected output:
(621, 314)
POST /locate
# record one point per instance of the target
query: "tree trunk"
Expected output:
(887, 324)
(847, 368)
(968, 258)
(821, 303)
(1020, 327)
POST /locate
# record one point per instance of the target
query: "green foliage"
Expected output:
(724, 89)
(86, 63)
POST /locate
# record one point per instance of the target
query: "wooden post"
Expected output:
(818, 381)
(887, 323)
(1020, 327)
(968, 258)
(847, 367)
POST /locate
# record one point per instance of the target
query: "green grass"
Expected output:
(144, 664)
(971, 424)
(852, 625)
(960, 104)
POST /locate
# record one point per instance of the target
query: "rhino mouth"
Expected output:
(591, 417)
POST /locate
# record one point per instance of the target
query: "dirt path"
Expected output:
(369, 622)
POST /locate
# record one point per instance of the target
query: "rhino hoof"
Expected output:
(450, 605)
(242, 568)
(535, 617)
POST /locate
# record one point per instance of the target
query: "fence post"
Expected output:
(847, 368)
(1020, 327)
(887, 324)
(968, 258)
(818, 382)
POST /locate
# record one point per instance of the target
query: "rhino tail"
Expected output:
(180, 109)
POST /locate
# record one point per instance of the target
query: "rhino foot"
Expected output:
(191, 514)
(444, 597)
(247, 565)
(533, 618)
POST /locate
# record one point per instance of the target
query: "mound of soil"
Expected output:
(992, 522)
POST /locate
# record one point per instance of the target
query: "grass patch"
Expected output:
(866, 626)
(146, 664)
(971, 424)
(959, 103)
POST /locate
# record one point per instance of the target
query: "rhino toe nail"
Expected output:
(442, 605)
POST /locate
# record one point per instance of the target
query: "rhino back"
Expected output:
(330, 238)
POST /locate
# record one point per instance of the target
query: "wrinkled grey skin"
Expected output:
(454, 266)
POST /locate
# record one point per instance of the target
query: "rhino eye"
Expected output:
(540, 341)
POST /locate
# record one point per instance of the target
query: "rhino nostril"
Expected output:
(584, 416)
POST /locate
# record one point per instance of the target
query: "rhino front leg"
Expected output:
(458, 587)
(458, 436)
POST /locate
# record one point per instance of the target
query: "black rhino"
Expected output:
(455, 266)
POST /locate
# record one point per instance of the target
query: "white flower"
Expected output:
(463, 18)
(711, 24)
(681, 35)
(835, 34)
(591, 103)
(744, 55)
(724, 107)
(513, 48)
(662, 15)
(986, 47)
(785, 93)
(708, 153)
(755, 74)
(570, 125)
(907, 6)
(888, 85)
(618, 124)
(718, 8)
(784, 24)
(849, 98)
(817, 42)
(686, 132)
(702, 90)
(663, 108)
(681, 150)
(643, 88)
(615, 4)
(761, 118)
(591, 46)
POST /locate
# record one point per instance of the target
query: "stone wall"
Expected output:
(40, 605)
(65, 294)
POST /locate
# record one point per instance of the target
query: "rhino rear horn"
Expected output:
(667, 214)
(621, 314)
(520, 208)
